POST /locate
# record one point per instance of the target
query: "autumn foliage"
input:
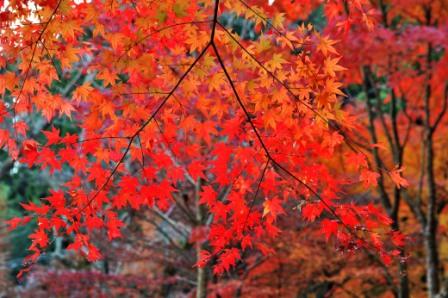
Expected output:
(172, 107)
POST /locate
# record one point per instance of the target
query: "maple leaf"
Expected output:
(66, 108)
(217, 80)
(376, 240)
(113, 225)
(386, 258)
(52, 136)
(13, 149)
(82, 93)
(396, 177)
(329, 228)
(94, 222)
(369, 178)
(334, 140)
(220, 210)
(29, 152)
(226, 260)
(208, 196)
(326, 45)
(196, 169)
(358, 160)
(18, 221)
(107, 76)
(246, 242)
(273, 207)
(93, 254)
(41, 210)
(39, 238)
(276, 62)
(56, 200)
(331, 66)
(265, 250)
(398, 239)
(204, 258)
(21, 127)
(312, 211)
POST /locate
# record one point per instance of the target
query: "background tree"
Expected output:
(399, 71)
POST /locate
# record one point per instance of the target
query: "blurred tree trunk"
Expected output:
(392, 205)
(430, 232)
(201, 275)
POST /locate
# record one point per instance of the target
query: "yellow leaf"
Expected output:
(276, 62)
(331, 66)
(396, 177)
(326, 45)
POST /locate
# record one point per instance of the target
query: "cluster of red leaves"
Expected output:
(177, 101)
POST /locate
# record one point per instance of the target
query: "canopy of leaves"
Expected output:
(168, 98)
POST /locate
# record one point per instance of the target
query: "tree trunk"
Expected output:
(403, 290)
(201, 279)
(201, 274)
(432, 263)
(430, 233)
